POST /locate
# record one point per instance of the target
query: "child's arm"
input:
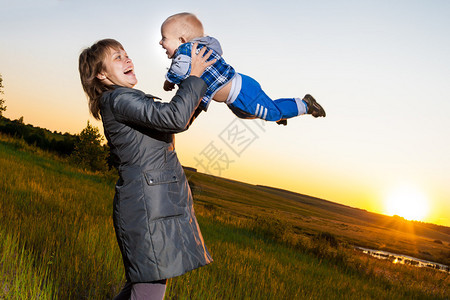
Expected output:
(180, 69)
(181, 65)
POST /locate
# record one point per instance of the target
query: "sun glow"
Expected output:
(407, 202)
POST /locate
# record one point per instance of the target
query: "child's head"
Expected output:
(101, 66)
(179, 29)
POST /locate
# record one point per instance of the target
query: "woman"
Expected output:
(154, 220)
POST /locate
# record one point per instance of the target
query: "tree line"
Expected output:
(61, 144)
(85, 149)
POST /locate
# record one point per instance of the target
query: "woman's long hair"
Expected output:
(90, 64)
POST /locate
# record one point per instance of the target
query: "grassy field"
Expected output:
(57, 240)
(308, 216)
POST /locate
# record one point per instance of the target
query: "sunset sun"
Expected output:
(407, 202)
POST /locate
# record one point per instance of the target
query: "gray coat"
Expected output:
(154, 219)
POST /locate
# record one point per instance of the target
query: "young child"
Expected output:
(241, 93)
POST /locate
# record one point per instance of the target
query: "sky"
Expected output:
(379, 68)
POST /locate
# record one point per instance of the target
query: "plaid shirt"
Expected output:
(215, 75)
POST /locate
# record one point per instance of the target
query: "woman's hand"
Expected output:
(199, 62)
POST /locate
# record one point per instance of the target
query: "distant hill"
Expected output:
(309, 216)
(358, 213)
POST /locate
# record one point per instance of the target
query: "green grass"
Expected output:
(63, 217)
(57, 241)
(21, 276)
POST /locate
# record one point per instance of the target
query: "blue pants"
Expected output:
(252, 103)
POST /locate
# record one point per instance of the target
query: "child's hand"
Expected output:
(168, 86)
(199, 62)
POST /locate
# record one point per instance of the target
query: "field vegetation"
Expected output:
(57, 240)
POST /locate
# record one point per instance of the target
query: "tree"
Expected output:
(89, 152)
(2, 101)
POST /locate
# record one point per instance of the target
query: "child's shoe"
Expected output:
(282, 122)
(314, 108)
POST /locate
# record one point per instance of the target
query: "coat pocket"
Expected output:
(162, 194)
(160, 177)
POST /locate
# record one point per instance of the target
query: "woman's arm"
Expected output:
(135, 109)
(132, 107)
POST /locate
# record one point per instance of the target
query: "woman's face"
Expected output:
(118, 69)
(170, 38)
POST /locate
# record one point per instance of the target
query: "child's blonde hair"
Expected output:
(90, 64)
(189, 26)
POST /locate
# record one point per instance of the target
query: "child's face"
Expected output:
(118, 69)
(170, 38)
